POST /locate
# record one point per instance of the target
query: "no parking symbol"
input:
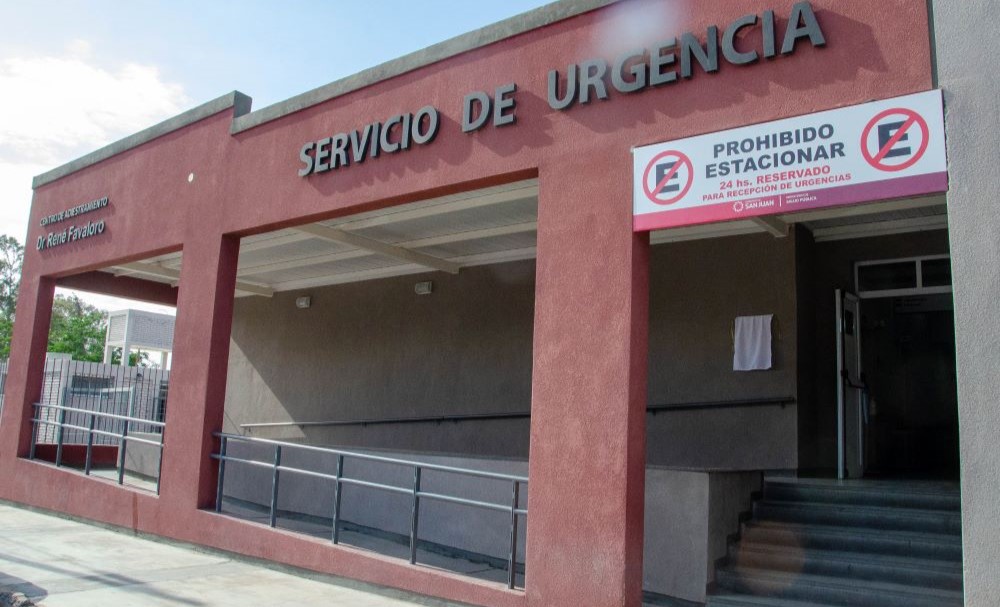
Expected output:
(895, 139)
(668, 177)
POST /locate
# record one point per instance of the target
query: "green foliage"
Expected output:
(77, 328)
(135, 359)
(11, 256)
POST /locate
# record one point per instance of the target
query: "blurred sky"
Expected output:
(77, 75)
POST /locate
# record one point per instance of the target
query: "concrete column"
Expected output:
(198, 378)
(27, 364)
(588, 436)
(961, 28)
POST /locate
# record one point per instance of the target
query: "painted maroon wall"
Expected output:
(589, 367)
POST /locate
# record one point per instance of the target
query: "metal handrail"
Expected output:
(373, 458)
(123, 437)
(137, 420)
(277, 468)
(424, 419)
(724, 404)
(427, 419)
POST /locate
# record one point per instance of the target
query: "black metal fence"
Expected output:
(81, 387)
(513, 507)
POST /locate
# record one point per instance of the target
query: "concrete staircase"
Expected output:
(823, 543)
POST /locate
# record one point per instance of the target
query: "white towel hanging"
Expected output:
(752, 343)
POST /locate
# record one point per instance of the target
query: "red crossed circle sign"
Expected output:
(877, 151)
(656, 191)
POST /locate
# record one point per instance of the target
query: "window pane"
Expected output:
(937, 272)
(882, 277)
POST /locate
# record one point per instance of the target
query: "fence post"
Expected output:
(415, 515)
(159, 465)
(59, 437)
(336, 499)
(34, 429)
(512, 561)
(90, 445)
(122, 446)
(274, 486)
(223, 441)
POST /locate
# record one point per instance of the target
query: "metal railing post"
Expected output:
(122, 446)
(34, 429)
(512, 561)
(59, 437)
(274, 486)
(223, 441)
(90, 445)
(337, 490)
(159, 466)
(415, 515)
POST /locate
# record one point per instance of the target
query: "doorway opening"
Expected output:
(900, 404)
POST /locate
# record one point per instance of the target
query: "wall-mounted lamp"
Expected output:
(303, 302)
(423, 288)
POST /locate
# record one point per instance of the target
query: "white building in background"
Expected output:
(140, 331)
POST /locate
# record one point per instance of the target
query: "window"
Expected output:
(901, 277)
(89, 383)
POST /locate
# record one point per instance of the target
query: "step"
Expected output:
(823, 537)
(746, 600)
(888, 495)
(848, 565)
(870, 517)
(834, 591)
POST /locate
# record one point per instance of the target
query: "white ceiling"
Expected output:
(491, 225)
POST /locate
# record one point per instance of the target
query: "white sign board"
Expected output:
(864, 153)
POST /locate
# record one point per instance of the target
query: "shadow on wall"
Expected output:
(375, 350)
(697, 289)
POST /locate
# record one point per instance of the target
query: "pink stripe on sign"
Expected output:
(888, 189)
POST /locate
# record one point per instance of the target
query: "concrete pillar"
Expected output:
(26, 368)
(588, 436)
(963, 29)
(198, 378)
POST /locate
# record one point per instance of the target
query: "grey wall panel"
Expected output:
(972, 118)
(375, 350)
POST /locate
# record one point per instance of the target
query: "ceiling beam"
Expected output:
(772, 225)
(433, 241)
(314, 260)
(416, 210)
(301, 262)
(403, 270)
(881, 228)
(376, 246)
(436, 207)
(274, 239)
(174, 276)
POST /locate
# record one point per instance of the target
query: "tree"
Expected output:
(11, 257)
(77, 328)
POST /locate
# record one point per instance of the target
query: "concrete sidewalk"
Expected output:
(59, 562)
